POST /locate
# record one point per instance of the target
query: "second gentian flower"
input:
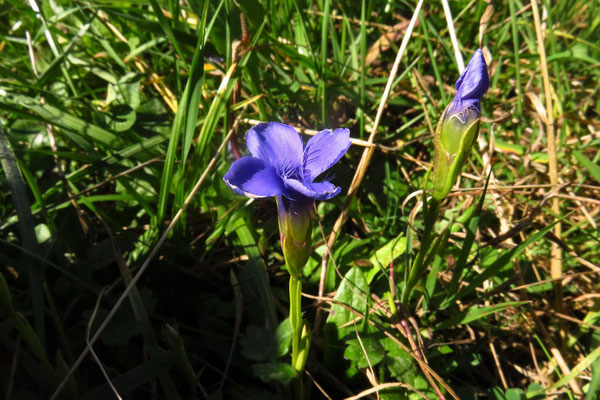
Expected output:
(459, 125)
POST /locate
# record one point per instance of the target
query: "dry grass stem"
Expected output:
(556, 257)
(457, 54)
(383, 386)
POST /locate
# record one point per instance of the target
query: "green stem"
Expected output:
(515, 37)
(322, 81)
(295, 317)
(431, 211)
(297, 388)
(300, 340)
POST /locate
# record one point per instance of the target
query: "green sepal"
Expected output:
(295, 230)
(447, 165)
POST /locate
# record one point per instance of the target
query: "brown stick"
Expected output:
(556, 254)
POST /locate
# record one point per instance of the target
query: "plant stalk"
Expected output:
(300, 336)
(431, 211)
(295, 317)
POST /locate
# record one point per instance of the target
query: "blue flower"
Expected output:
(281, 166)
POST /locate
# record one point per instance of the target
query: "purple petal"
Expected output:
(464, 112)
(474, 81)
(315, 190)
(325, 149)
(278, 145)
(253, 178)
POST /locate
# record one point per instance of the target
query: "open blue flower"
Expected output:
(281, 166)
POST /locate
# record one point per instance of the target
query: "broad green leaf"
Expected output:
(352, 292)
(283, 334)
(389, 252)
(346, 253)
(535, 387)
(120, 118)
(515, 394)
(259, 344)
(356, 352)
(126, 91)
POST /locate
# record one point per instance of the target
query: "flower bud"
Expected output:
(459, 126)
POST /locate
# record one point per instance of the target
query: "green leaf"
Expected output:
(22, 205)
(515, 394)
(120, 118)
(386, 254)
(283, 335)
(42, 233)
(125, 324)
(25, 329)
(253, 10)
(592, 168)
(373, 349)
(174, 142)
(70, 122)
(471, 223)
(166, 26)
(259, 344)
(126, 91)
(256, 270)
(194, 88)
(346, 253)
(536, 387)
(399, 361)
(280, 372)
(586, 362)
(476, 312)
(592, 391)
(494, 263)
(352, 292)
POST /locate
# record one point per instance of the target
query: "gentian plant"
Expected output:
(281, 166)
(455, 134)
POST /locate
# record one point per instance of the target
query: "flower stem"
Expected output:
(300, 335)
(431, 211)
(295, 317)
